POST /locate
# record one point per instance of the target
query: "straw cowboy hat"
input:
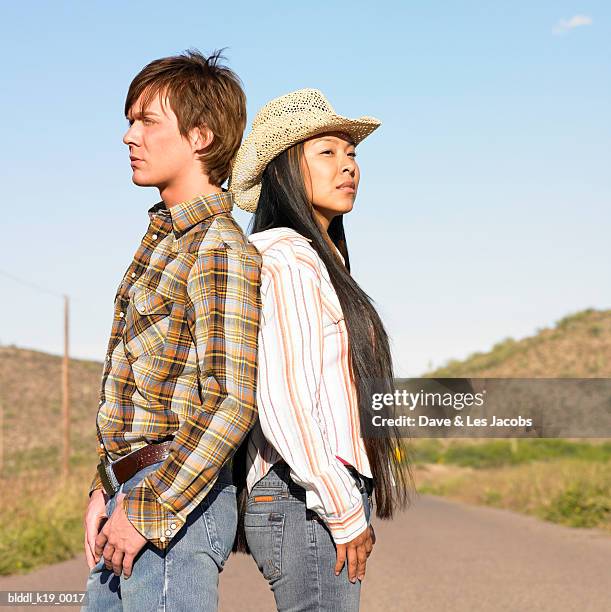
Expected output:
(279, 125)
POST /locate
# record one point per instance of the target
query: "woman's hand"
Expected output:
(356, 551)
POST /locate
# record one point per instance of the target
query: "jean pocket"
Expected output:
(265, 533)
(220, 516)
(139, 476)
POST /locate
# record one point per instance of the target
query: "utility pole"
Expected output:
(65, 396)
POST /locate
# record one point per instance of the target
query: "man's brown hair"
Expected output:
(201, 92)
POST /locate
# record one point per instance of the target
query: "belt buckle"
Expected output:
(107, 476)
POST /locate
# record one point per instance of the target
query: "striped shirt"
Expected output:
(306, 397)
(182, 358)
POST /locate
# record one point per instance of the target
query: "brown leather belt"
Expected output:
(114, 474)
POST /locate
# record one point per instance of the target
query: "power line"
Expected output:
(65, 373)
(31, 285)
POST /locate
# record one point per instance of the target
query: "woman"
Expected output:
(310, 474)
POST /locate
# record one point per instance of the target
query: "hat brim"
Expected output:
(262, 145)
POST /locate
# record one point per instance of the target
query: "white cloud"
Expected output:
(564, 25)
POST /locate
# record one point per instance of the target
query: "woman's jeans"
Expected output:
(294, 549)
(183, 577)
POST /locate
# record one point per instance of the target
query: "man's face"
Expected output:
(159, 154)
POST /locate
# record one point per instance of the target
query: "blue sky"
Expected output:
(485, 199)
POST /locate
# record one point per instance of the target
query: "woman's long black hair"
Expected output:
(284, 203)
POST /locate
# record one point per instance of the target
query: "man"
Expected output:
(178, 387)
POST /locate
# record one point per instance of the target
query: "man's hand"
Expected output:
(357, 552)
(94, 516)
(119, 541)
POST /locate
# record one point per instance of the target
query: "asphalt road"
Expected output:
(438, 556)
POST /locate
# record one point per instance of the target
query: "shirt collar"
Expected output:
(191, 212)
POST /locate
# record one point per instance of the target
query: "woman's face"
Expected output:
(331, 174)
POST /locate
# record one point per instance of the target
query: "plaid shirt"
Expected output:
(182, 358)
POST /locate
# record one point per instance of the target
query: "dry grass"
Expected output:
(41, 519)
(567, 491)
(30, 397)
(40, 516)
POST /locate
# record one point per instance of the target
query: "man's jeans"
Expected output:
(185, 575)
(294, 549)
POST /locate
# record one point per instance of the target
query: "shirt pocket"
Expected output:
(146, 322)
